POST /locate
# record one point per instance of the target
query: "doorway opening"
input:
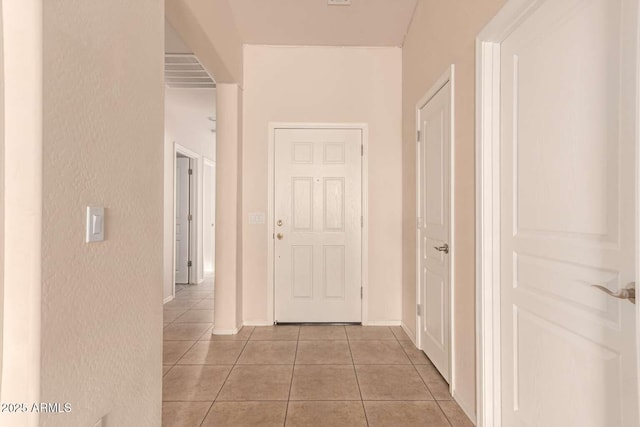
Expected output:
(190, 156)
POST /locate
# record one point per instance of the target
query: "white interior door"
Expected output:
(568, 119)
(182, 220)
(209, 246)
(433, 228)
(318, 208)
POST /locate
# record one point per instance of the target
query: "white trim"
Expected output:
(447, 77)
(225, 331)
(488, 207)
(382, 323)
(206, 162)
(257, 323)
(364, 127)
(168, 299)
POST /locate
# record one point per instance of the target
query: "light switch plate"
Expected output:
(257, 218)
(95, 224)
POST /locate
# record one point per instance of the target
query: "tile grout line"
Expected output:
(366, 419)
(293, 370)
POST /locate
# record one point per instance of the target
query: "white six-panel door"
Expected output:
(568, 77)
(182, 220)
(318, 214)
(434, 119)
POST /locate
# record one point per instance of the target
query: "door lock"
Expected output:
(279, 223)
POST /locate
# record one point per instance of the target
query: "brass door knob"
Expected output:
(279, 236)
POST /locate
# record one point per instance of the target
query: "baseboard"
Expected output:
(469, 410)
(225, 331)
(167, 299)
(409, 332)
(257, 323)
(381, 323)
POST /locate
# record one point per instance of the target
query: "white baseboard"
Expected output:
(257, 323)
(409, 332)
(167, 299)
(469, 410)
(225, 331)
(381, 323)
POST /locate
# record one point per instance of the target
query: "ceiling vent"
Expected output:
(184, 71)
(338, 2)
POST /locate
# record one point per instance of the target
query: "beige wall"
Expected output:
(103, 145)
(22, 34)
(228, 276)
(208, 28)
(326, 85)
(443, 33)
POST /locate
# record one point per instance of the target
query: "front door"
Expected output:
(318, 225)
(433, 227)
(568, 121)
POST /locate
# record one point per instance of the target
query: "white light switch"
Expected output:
(256, 218)
(95, 224)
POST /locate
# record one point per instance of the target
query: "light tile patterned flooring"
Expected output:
(295, 375)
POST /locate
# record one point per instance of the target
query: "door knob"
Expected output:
(444, 248)
(279, 236)
(627, 293)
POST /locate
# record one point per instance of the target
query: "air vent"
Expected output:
(338, 2)
(186, 72)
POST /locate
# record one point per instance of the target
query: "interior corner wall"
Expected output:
(103, 146)
(441, 34)
(326, 85)
(22, 217)
(186, 124)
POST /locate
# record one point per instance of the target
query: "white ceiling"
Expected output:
(313, 22)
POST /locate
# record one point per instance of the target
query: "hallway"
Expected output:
(295, 375)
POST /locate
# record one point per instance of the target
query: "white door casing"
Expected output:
(209, 189)
(558, 189)
(318, 199)
(182, 220)
(434, 237)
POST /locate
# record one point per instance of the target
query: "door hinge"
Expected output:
(189, 263)
(190, 217)
(418, 310)
(361, 292)
(418, 135)
(190, 171)
(362, 150)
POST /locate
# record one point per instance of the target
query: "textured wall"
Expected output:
(103, 145)
(443, 33)
(327, 85)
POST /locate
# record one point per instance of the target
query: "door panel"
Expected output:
(182, 220)
(567, 200)
(318, 200)
(433, 230)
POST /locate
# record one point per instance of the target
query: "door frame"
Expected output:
(212, 164)
(447, 77)
(273, 126)
(488, 368)
(194, 203)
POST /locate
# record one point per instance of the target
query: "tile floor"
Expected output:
(295, 375)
